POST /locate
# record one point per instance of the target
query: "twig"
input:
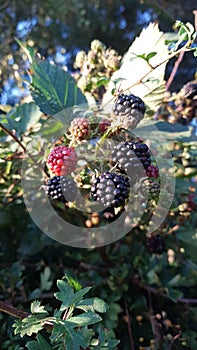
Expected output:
(174, 54)
(159, 291)
(174, 70)
(17, 313)
(13, 136)
(132, 345)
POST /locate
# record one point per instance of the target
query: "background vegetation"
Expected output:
(151, 297)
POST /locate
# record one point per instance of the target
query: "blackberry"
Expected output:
(103, 125)
(80, 129)
(152, 171)
(110, 189)
(189, 90)
(61, 188)
(156, 244)
(129, 156)
(130, 106)
(62, 160)
(150, 188)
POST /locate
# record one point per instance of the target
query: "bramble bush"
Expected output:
(70, 140)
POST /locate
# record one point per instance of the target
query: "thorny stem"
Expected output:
(151, 68)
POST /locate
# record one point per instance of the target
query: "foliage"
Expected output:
(149, 298)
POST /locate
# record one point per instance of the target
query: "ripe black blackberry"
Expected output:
(61, 188)
(130, 106)
(156, 244)
(130, 156)
(110, 189)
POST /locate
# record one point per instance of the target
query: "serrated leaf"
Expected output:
(74, 339)
(22, 118)
(92, 304)
(67, 295)
(36, 308)
(150, 45)
(53, 89)
(85, 319)
(29, 325)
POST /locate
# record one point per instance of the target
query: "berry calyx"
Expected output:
(62, 160)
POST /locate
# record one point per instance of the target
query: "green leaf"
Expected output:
(53, 89)
(29, 325)
(44, 279)
(85, 319)
(174, 294)
(92, 304)
(67, 295)
(22, 118)
(175, 281)
(40, 344)
(36, 308)
(150, 55)
(74, 339)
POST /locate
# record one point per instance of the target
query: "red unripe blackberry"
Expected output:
(156, 244)
(62, 160)
(103, 125)
(152, 171)
(129, 156)
(80, 129)
(61, 188)
(110, 189)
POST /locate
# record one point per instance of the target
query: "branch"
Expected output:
(152, 68)
(17, 313)
(159, 291)
(8, 132)
(129, 328)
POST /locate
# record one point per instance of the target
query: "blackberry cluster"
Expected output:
(110, 189)
(129, 156)
(61, 188)
(156, 244)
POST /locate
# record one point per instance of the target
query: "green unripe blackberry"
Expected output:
(150, 188)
